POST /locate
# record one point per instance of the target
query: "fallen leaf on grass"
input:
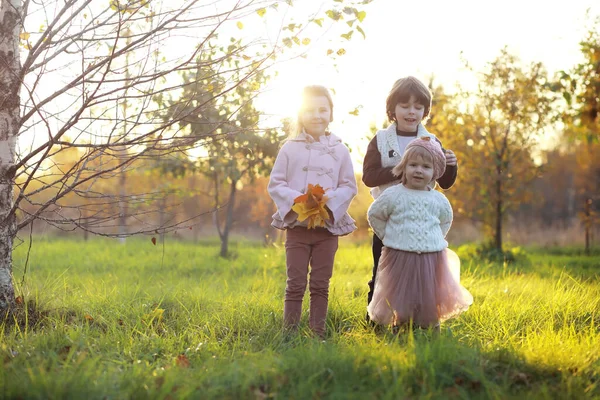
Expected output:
(261, 392)
(159, 381)
(521, 378)
(182, 361)
(451, 391)
(63, 352)
(475, 385)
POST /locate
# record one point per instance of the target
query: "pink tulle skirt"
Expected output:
(424, 288)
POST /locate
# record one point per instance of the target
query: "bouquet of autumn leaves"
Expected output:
(311, 206)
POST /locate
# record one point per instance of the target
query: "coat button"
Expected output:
(308, 146)
(305, 169)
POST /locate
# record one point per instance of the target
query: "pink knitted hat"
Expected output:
(431, 145)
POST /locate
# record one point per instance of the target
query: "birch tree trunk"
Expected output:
(10, 71)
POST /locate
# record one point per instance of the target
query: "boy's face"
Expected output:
(409, 115)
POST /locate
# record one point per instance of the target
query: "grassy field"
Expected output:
(110, 321)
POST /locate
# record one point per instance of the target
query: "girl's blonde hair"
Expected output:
(308, 92)
(412, 152)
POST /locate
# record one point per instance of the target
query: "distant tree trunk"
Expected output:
(10, 84)
(499, 204)
(85, 220)
(122, 206)
(587, 221)
(163, 217)
(196, 228)
(224, 231)
(228, 221)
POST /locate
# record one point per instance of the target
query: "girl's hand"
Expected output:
(450, 158)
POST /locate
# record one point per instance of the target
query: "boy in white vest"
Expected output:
(407, 105)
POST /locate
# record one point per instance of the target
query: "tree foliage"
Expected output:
(494, 131)
(580, 88)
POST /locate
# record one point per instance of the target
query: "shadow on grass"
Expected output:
(410, 366)
(253, 357)
(29, 316)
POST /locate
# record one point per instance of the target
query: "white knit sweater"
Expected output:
(411, 220)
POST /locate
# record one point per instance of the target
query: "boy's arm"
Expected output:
(447, 180)
(373, 173)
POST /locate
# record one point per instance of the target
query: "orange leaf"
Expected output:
(315, 191)
(301, 199)
(153, 241)
(182, 361)
(19, 300)
(88, 317)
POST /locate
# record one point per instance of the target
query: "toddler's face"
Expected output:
(418, 174)
(316, 115)
(409, 115)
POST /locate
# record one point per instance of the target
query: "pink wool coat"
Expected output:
(326, 162)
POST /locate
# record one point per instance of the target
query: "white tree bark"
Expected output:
(10, 26)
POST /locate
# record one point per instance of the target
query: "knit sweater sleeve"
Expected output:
(279, 190)
(379, 213)
(374, 174)
(446, 214)
(339, 199)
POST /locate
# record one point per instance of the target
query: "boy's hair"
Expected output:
(402, 90)
(307, 92)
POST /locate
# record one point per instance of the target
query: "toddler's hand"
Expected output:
(450, 158)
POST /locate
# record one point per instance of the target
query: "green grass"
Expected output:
(112, 321)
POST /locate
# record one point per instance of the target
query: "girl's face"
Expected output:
(316, 115)
(409, 115)
(418, 174)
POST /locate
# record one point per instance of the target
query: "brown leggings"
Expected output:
(304, 246)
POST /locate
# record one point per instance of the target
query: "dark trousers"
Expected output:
(376, 249)
(316, 247)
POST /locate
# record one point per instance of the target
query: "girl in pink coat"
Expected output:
(312, 156)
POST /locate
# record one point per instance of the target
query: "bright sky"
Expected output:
(427, 38)
(403, 38)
